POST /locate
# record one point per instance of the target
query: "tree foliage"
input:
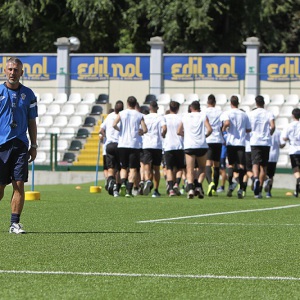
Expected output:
(112, 26)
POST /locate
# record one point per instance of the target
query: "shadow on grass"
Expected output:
(87, 232)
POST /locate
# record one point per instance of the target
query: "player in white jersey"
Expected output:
(236, 123)
(129, 148)
(111, 138)
(262, 125)
(214, 141)
(194, 128)
(152, 148)
(276, 144)
(292, 134)
(173, 149)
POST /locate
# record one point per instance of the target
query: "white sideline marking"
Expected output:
(229, 224)
(220, 213)
(189, 276)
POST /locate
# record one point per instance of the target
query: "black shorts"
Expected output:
(214, 151)
(112, 156)
(198, 152)
(152, 156)
(174, 159)
(295, 160)
(260, 155)
(129, 158)
(236, 155)
(13, 162)
(271, 169)
(248, 162)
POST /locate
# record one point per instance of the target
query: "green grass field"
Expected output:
(93, 246)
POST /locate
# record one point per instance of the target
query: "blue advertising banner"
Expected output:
(279, 68)
(37, 67)
(113, 67)
(204, 67)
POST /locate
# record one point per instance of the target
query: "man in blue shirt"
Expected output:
(18, 110)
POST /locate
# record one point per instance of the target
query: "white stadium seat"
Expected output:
(178, 98)
(82, 110)
(68, 132)
(89, 98)
(192, 97)
(60, 121)
(67, 109)
(46, 121)
(221, 99)
(46, 98)
(75, 121)
(53, 110)
(60, 98)
(277, 99)
(292, 99)
(248, 99)
(74, 98)
(286, 111)
(163, 99)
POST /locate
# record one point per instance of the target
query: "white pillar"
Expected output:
(63, 65)
(156, 65)
(252, 83)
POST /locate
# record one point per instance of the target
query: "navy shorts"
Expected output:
(13, 162)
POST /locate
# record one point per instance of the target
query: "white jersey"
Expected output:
(111, 134)
(130, 121)
(292, 132)
(275, 146)
(213, 116)
(239, 123)
(172, 140)
(194, 130)
(153, 139)
(260, 125)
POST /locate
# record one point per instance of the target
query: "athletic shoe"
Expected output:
(172, 193)
(199, 192)
(16, 228)
(128, 195)
(123, 190)
(268, 195)
(141, 188)
(259, 196)
(256, 187)
(220, 189)
(156, 194)
(190, 194)
(210, 189)
(135, 191)
(240, 194)
(295, 194)
(147, 187)
(116, 194)
(110, 186)
(176, 189)
(267, 184)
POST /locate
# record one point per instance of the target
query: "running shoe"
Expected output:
(16, 228)
(210, 189)
(190, 194)
(147, 187)
(123, 190)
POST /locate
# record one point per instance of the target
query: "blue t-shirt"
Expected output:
(16, 106)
